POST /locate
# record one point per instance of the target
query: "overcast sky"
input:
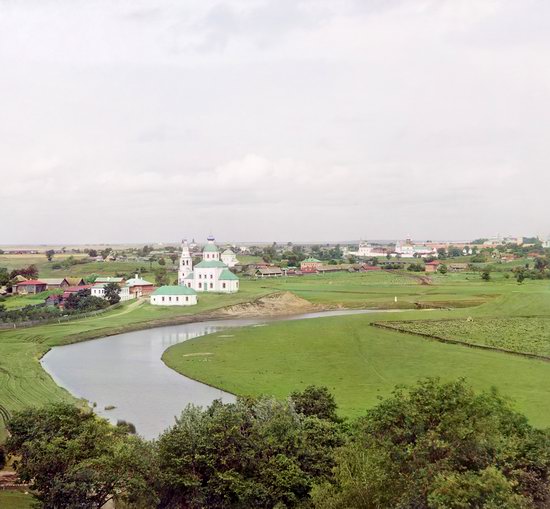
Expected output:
(153, 120)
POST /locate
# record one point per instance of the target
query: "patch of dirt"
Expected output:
(277, 304)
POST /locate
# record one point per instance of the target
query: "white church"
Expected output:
(209, 275)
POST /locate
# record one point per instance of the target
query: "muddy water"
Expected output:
(126, 371)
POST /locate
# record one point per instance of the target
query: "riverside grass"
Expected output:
(16, 500)
(360, 363)
(24, 383)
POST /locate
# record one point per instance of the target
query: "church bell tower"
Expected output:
(186, 262)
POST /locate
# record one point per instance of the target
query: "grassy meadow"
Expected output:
(361, 363)
(16, 500)
(255, 360)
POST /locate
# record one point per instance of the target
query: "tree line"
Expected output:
(433, 445)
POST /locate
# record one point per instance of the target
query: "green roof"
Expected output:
(311, 260)
(227, 275)
(174, 290)
(211, 264)
(210, 248)
(189, 276)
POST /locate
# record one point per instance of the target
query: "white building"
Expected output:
(408, 249)
(98, 290)
(174, 296)
(365, 250)
(229, 258)
(210, 275)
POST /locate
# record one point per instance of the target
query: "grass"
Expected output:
(361, 363)
(24, 383)
(15, 500)
(525, 335)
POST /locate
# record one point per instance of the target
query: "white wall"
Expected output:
(173, 300)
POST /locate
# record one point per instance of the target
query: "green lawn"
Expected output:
(24, 383)
(15, 500)
(528, 335)
(360, 363)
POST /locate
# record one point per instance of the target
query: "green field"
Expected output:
(23, 382)
(518, 334)
(360, 363)
(15, 500)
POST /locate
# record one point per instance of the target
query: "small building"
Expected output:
(139, 287)
(229, 258)
(75, 281)
(32, 286)
(98, 290)
(458, 267)
(310, 265)
(56, 283)
(54, 300)
(268, 272)
(109, 279)
(173, 296)
(432, 266)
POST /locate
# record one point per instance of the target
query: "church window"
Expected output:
(163, 299)
(223, 285)
(200, 285)
(211, 285)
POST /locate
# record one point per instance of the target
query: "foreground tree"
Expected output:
(112, 293)
(441, 446)
(73, 459)
(254, 453)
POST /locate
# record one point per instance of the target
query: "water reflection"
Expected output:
(126, 371)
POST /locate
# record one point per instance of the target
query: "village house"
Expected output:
(263, 272)
(139, 286)
(174, 296)
(98, 290)
(109, 279)
(55, 283)
(209, 275)
(310, 265)
(31, 286)
(75, 281)
(432, 266)
(229, 258)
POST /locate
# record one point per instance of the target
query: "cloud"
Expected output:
(267, 119)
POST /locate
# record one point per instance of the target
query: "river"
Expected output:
(126, 372)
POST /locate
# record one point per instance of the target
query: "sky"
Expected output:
(260, 120)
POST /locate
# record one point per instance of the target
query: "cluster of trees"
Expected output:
(430, 446)
(81, 302)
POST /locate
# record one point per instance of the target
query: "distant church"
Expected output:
(209, 275)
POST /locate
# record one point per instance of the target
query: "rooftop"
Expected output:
(227, 275)
(211, 264)
(174, 290)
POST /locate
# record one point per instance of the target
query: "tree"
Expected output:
(441, 446)
(315, 401)
(4, 276)
(253, 453)
(92, 253)
(30, 272)
(441, 253)
(520, 276)
(49, 254)
(161, 276)
(106, 252)
(112, 293)
(73, 459)
(173, 257)
(443, 269)
(162, 261)
(486, 275)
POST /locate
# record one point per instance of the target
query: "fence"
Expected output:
(58, 319)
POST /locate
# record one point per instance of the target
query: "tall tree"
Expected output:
(73, 459)
(112, 293)
(441, 446)
(49, 254)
